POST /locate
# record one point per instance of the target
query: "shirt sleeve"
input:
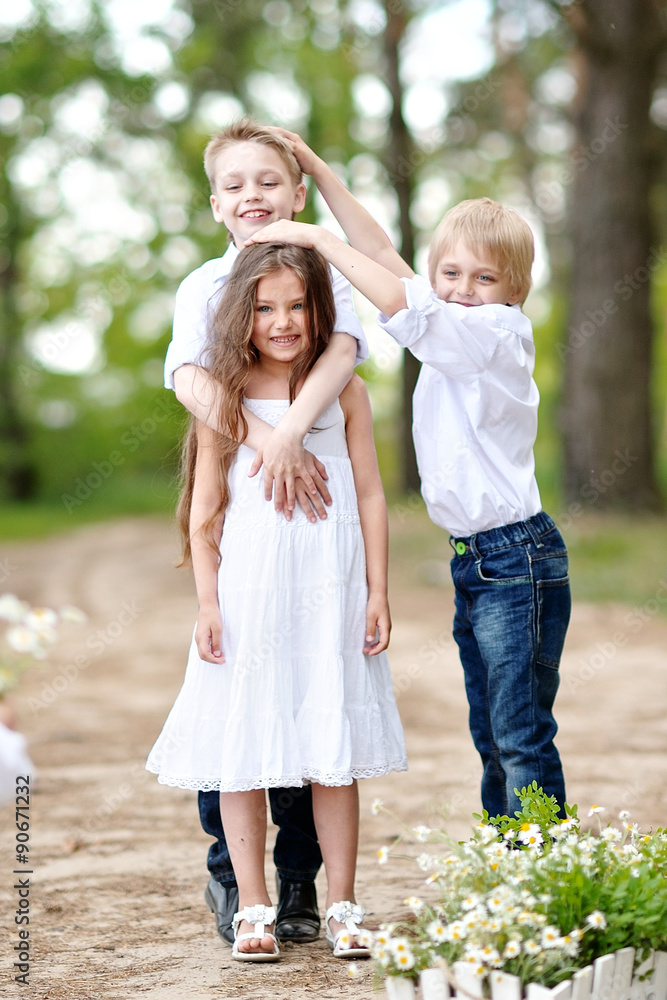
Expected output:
(457, 340)
(189, 333)
(347, 320)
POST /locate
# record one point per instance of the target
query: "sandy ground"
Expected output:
(118, 862)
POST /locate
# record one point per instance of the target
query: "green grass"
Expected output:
(612, 558)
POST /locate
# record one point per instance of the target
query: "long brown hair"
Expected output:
(230, 358)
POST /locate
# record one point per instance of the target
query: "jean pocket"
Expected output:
(504, 566)
(554, 604)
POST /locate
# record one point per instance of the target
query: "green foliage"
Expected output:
(535, 896)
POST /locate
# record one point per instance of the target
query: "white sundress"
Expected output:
(296, 700)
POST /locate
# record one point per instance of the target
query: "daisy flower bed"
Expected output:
(533, 906)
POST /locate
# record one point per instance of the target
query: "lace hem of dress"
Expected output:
(286, 781)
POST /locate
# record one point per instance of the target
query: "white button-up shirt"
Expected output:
(197, 298)
(474, 409)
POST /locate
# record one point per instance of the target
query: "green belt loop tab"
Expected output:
(460, 548)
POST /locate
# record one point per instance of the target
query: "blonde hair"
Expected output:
(485, 226)
(247, 130)
(231, 357)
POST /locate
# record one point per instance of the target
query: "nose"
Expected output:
(252, 193)
(283, 319)
(464, 285)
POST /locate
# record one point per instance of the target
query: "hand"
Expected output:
(292, 474)
(208, 635)
(300, 234)
(306, 158)
(378, 625)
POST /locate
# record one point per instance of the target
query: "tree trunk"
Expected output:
(18, 476)
(609, 452)
(398, 161)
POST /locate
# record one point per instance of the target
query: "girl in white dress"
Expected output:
(287, 680)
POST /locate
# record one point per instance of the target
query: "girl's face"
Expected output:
(280, 331)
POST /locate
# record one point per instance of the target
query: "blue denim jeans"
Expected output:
(296, 853)
(512, 608)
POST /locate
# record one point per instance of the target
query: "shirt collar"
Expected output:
(225, 263)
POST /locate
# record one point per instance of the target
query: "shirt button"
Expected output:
(460, 548)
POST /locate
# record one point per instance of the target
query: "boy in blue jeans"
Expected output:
(474, 425)
(255, 180)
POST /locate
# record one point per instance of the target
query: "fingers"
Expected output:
(256, 464)
(310, 503)
(378, 629)
(208, 638)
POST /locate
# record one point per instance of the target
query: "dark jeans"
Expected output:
(512, 601)
(296, 854)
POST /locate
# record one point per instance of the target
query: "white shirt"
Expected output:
(197, 298)
(474, 409)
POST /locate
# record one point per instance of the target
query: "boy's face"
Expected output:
(253, 188)
(463, 277)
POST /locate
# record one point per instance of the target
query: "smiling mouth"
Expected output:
(284, 341)
(256, 213)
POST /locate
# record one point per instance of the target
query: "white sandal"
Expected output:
(258, 915)
(350, 914)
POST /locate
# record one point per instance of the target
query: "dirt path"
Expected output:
(117, 907)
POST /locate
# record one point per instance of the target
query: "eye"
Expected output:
(270, 184)
(232, 187)
(448, 273)
(298, 305)
(487, 278)
(263, 309)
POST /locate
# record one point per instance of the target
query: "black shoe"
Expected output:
(223, 901)
(297, 918)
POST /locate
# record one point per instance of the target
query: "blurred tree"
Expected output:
(621, 54)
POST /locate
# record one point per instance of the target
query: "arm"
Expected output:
(372, 511)
(198, 393)
(208, 632)
(361, 229)
(282, 452)
(381, 286)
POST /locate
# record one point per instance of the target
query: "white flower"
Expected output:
(376, 806)
(73, 615)
(596, 809)
(512, 948)
(531, 947)
(596, 919)
(487, 833)
(414, 903)
(41, 618)
(421, 833)
(425, 862)
(436, 931)
(383, 855)
(456, 931)
(530, 834)
(509, 835)
(352, 970)
(624, 814)
(551, 937)
(24, 640)
(404, 960)
(610, 834)
(12, 609)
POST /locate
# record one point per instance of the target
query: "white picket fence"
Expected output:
(612, 977)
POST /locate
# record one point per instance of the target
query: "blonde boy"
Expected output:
(255, 180)
(474, 425)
